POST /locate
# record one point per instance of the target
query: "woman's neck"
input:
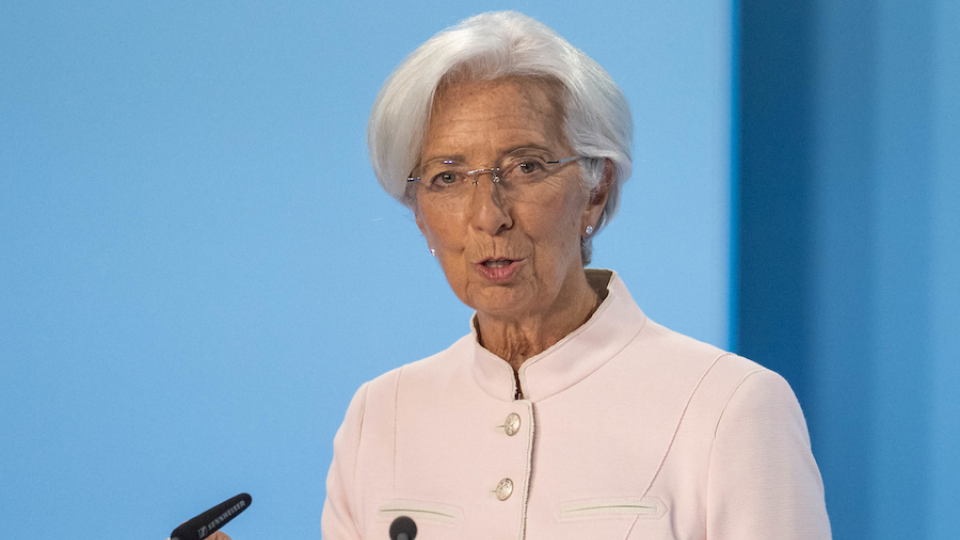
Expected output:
(516, 339)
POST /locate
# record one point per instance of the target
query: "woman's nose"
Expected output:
(493, 172)
(491, 213)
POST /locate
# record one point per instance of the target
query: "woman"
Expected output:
(565, 413)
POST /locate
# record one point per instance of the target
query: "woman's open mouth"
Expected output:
(498, 270)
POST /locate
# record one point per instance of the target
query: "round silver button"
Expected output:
(512, 424)
(504, 489)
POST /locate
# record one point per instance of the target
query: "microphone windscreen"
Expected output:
(210, 521)
(403, 528)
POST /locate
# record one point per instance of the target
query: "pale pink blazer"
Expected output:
(626, 430)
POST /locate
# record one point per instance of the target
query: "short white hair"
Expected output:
(598, 124)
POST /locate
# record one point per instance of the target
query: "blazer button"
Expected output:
(504, 489)
(512, 424)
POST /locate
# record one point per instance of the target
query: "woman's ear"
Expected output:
(420, 225)
(423, 229)
(598, 199)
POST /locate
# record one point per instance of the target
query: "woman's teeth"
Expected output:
(497, 263)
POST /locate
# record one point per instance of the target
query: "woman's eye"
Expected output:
(444, 178)
(528, 167)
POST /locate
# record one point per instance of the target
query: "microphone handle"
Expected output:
(212, 520)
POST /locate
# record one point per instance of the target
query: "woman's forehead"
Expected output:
(538, 92)
(501, 114)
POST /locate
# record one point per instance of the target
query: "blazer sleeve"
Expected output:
(763, 481)
(339, 518)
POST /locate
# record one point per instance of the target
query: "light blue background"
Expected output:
(197, 267)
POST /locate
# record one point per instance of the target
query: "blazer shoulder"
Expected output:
(754, 389)
(675, 352)
(711, 359)
(434, 370)
(716, 373)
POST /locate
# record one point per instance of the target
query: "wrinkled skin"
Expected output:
(547, 296)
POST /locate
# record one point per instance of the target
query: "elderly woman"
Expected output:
(565, 412)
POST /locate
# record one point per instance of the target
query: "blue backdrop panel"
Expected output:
(850, 246)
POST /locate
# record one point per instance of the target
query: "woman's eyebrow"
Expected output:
(460, 158)
(528, 146)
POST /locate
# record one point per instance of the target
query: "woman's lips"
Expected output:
(498, 270)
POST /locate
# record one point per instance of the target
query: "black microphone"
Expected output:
(403, 528)
(210, 521)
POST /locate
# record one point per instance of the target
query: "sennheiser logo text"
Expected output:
(212, 526)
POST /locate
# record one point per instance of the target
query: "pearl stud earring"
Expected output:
(433, 252)
(589, 230)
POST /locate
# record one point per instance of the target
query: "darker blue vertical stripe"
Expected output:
(774, 156)
(805, 259)
(835, 241)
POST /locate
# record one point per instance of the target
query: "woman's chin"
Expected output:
(502, 303)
